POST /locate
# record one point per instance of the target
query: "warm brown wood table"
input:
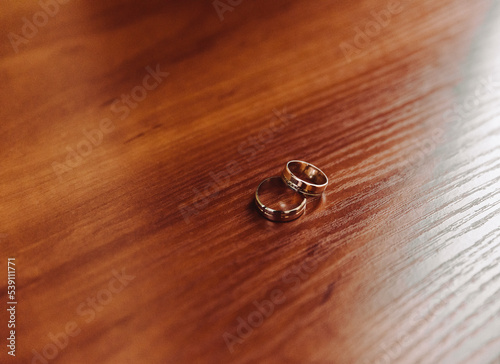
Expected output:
(133, 136)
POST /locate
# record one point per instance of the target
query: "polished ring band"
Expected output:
(305, 178)
(279, 215)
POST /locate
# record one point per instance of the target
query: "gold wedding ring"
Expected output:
(305, 178)
(279, 215)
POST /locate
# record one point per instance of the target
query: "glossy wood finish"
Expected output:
(399, 261)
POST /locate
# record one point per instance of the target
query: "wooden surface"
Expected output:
(398, 263)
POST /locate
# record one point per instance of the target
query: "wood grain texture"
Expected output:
(398, 262)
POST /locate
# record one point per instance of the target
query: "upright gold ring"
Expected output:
(279, 215)
(305, 178)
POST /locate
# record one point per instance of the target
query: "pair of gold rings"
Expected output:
(303, 178)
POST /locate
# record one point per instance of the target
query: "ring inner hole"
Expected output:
(307, 173)
(275, 194)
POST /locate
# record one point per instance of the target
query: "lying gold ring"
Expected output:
(279, 215)
(305, 178)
